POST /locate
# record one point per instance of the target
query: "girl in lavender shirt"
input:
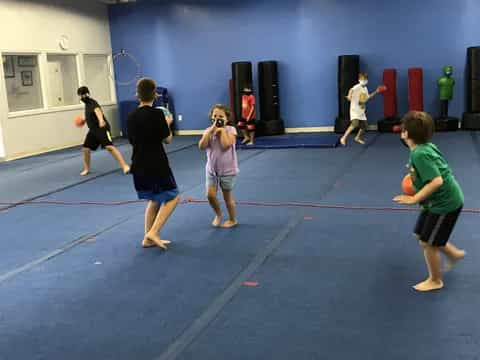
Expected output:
(222, 167)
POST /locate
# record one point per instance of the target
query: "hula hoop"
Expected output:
(130, 58)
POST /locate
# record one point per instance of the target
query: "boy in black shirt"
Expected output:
(98, 133)
(153, 179)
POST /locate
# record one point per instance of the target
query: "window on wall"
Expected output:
(22, 82)
(62, 80)
(97, 77)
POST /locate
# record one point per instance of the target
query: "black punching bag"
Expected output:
(241, 77)
(471, 118)
(268, 90)
(348, 69)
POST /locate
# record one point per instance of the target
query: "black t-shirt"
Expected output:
(90, 116)
(147, 128)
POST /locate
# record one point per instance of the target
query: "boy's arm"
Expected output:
(422, 195)
(373, 94)
(251, 112)
(168, 139)
(99, 113)
(349, 95)
(428, 190)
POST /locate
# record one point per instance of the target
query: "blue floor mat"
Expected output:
(336, 276)
(314, 140)
(314, 296)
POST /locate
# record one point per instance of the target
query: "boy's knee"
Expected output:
(425, 245)
(211, 196)
(110, 148)
(86, 150)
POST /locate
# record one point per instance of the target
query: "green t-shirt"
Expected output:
(427, 163)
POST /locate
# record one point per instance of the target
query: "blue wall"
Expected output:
(188, 46)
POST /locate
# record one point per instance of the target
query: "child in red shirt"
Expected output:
(247, 122)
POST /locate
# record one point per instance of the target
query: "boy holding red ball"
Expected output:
(437, 191)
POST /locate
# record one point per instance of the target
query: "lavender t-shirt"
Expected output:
(221, 161)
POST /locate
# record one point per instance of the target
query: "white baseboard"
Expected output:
(309, 129)
(39, 152)
(189, 132)
(287, 130)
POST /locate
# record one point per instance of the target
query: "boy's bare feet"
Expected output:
(250, 143)
(216, 221)
(229, 224)
(429, 285)
(160, 243)
(451, 261)
(343, 141)
(360, 141)
(126, 170)
(85, 172)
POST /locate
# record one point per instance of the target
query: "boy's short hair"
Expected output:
(83, 90)
(363, 75)
(222, 107)
(419, 125)
(146, 89)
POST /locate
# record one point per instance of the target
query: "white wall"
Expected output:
(36, 26)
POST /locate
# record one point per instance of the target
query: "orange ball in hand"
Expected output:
(407, 185)
(79, 121)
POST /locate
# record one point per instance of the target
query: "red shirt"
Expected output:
(248, 103)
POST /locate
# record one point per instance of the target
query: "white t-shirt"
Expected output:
(358, 102)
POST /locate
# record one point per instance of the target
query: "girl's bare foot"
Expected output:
(229, 224)
(250, 143)
(147, 243)
(217, 221)
(85, 172)
(126, 170)
(159, 242)
(429, 285)
(343, 142)
(360, 141)
(451, 261)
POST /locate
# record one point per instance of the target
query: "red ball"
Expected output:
(407, 185)
(396, 128)
(382, 88)
(79, 120)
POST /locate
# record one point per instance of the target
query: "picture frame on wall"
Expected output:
(25, 60)
(8, 66)
(27, 78)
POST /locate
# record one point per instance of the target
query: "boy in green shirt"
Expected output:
(437, 192)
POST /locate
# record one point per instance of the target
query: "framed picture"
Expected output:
(8, 67)
(27, 78)
(30, 60)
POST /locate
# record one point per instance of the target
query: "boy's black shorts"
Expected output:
(98, 137)
(435, 229)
